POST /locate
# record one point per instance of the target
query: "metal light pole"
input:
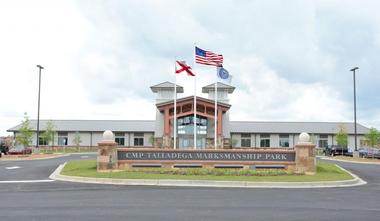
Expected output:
(353, 70)
(38, 112)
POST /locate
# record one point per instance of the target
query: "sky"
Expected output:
(290, 60)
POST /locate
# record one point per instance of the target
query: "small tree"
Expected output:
(24, 136)
(373, 137)
(342, 137)
(77, 140)
(8, 141)
(49, 133)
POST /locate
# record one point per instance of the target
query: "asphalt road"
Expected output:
(74, 201)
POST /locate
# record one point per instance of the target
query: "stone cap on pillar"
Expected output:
(304, 138)
(108, 138)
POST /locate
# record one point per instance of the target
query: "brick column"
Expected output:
(166, 139)
(219, 130)
(305, 156)
(220, 123)
(107, 153)
(166, 122)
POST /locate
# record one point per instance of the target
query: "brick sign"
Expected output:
(183, 155)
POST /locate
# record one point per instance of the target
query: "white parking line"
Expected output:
(83, 157)
(12, 168)
(26, 181)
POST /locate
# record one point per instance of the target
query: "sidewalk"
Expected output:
(349, 161)
(56, 175)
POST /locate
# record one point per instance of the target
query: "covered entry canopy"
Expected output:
(185, 107)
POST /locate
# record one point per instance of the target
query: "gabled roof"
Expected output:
(220, 85)
(192, 98)
(166, 85)
(94, 125)
(294, 127)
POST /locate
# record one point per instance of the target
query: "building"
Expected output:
(230, 134)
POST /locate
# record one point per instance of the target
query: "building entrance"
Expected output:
(185, 131)
(188, 142)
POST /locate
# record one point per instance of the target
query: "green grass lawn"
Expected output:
(325, 172)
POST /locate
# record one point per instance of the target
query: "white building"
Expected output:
(159, 132)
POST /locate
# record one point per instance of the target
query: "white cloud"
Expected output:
(101, 57)
(264, 95)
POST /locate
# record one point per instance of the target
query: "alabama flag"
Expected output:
(181, 66)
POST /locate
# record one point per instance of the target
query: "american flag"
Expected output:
(207, 57)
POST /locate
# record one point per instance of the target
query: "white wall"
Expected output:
(147, 139)
(131, 137)
(236, 137)
(274, 140)
(96, 138)
(226, 124)
(159, 124)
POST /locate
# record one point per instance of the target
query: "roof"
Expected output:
(235, 126)
(94, 125)
(220, 85)
(192, 98)
(294, 127)
(166, 85)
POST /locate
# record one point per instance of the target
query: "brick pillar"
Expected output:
(305, 156)
(166, 139)
(219, 129)
(166, 122)
(107, 153)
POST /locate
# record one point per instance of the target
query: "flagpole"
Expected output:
(195, 104)
(175, 106)
(215, 109)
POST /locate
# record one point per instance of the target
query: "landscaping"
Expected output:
(325, 172)
(67, 149)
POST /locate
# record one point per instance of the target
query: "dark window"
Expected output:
(245, 140)
(42, 141)
(264, 140)
(119, 139)
(322, 142)
(284, 140)
(138, 139)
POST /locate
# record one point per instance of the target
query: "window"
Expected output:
(62, 138)
(322, 142)
(264, 140)
(42, 141)
(138, 139)
(185, 125)
(119, 139)
(245, 140)
(284, 140)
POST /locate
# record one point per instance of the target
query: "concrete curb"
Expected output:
(348, 161)
(84, 153)
(45, 158)
(56, 175)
